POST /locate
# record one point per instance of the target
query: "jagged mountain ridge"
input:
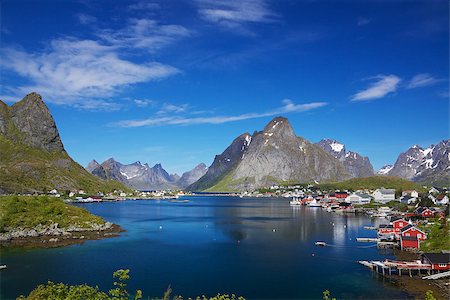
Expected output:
(268, 157)
(143, 177)
(355, 164)
(430, 165)
(33, 158)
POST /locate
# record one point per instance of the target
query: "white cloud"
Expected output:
(422, 80)
(234, 14)
(82, 73)
(384, 84)
(288, 107)
(143, 102)
(85, 19)
(144, 5)
(172, 108)
(144, 34)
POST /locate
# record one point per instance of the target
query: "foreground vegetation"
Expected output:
(29, 211)
(57, 291)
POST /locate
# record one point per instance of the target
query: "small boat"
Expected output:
(178, 201)
(295, 201)
(314, 203)
(321, 244)
(2, 267)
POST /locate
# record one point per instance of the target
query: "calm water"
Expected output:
(257, 248)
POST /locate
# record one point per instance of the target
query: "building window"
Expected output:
(442, 265)
(419, 235)
(407, 234)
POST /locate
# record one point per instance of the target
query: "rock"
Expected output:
(33, 119)
(53, 240)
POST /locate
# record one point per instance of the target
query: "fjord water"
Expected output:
(260, 248)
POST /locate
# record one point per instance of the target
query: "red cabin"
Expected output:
(412, 231)
(438, 261)
(399, 224)
(409, 242)
(425, 212)
(341, 195)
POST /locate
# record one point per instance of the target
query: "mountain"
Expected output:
(223, 163)
(430, 165)
(272, 156)
(33, 158)
(385, 170)
(192, 176)
(355, 164)
(143, 177)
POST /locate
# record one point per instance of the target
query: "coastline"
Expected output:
(415, 285)
(61, 238)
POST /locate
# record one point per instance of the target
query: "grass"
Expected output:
(24, 169)
(29, 211)
(438, 238)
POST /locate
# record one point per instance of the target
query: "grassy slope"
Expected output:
(373, 182)
(26, 169)
(438, 237)
(29, 211)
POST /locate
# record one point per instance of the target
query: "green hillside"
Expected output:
(372, 182)
(24, 169)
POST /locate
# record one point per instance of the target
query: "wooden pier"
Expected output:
(390, 267)
(369, 240)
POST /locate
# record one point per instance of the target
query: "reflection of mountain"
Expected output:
(257, 221)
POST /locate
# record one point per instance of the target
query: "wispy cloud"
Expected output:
(144, 34)
(85, 19)
(172, 109)
(422, 80)
(84, 72)
(235, 14)
(144, 5)
(384, 85)
(144, 102)
(288, 107)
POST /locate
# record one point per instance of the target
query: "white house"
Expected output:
(413, 193)
(440, 199)
(384, 195)
(408, 199)
(357, 198)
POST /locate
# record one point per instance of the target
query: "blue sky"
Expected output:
(176, 81)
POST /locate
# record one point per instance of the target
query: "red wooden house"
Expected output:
(341, 195)
(438, 261)
(386, 229)
(425, 212)
(409, 242)
(399, 224)
(412, 231)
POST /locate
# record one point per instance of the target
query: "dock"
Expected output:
(437, 276)
(369, 240)
(370, 227)
(391, 267)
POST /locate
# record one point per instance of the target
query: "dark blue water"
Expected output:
(258, 248)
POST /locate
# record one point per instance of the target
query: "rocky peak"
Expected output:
(33, 120)
(92, 166)
(279, 127)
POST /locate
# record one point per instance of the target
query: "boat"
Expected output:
(321, 244)
(178, 201)
(295, 201)
(2, 267)
(314, 203)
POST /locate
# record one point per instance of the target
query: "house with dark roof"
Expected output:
(438, 261)
(409, 242)
(425, 212)
(411, 230)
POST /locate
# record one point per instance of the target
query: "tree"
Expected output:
(429, 295)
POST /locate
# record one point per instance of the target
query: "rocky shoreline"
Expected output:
(54, 236)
